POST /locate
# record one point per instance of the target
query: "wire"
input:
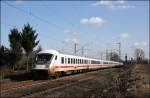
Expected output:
(35, 16)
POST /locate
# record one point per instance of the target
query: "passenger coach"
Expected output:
(51, 63)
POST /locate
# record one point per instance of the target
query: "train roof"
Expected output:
(50, 51)
(55, 52)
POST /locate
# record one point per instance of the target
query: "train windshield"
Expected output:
(43, 58)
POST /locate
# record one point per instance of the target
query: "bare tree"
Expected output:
(114, 56)
(139, 55)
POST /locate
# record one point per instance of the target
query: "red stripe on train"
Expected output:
(75, 66)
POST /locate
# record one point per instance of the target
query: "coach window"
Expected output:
(78, 61)
(65, 60)
(56, 57)
(71, 60)
(62, 60)
(68, 60)
(97, 62)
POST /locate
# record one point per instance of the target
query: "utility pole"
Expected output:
(106, 54)
(111, 55)
(82, 51)
(119, 51)
(119, 46)
(101, 55)
(126, 58)
(75, 48)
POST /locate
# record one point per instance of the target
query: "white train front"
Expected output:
(51, 62)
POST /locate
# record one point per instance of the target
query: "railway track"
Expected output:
(42, 88)
(12, 85)
(40, 94)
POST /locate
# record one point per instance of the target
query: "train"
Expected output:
(52, 63)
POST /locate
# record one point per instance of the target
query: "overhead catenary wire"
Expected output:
(35, 16)
(39, 18)
(72, 24)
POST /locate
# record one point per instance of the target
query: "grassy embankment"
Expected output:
(132, 81)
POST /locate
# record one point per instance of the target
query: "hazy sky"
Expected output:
(94, 25)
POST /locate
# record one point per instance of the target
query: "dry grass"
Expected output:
(132, 82)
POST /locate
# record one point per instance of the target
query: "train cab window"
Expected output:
(62, 60)
(56, 57)
(68, 60)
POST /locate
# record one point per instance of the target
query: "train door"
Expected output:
(53, 64)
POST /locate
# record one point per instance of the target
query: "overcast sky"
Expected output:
(95, 25)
